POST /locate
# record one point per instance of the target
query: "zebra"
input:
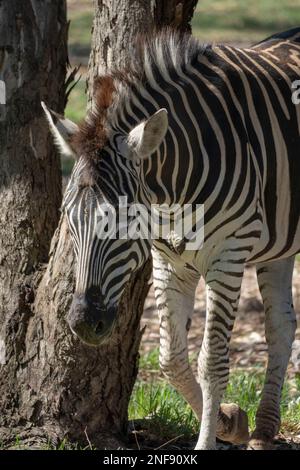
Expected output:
(198, 124)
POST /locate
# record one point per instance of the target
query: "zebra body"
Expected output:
(231, 143)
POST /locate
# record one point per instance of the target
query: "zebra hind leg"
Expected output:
(275, 283)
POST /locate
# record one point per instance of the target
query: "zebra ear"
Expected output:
(146, 137)
(62, 130)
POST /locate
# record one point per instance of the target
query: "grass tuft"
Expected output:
(167, 414)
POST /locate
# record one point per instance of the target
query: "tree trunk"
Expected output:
(118, 22)
(64, 388)
(33, 61)
(175, 13)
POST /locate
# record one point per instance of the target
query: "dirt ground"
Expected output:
(248, 347)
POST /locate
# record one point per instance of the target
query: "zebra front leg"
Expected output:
(275, 282)
(174, 293)
(223, 283)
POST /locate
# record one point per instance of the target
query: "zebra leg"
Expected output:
(174, 293)
(223, 283)
(175, 302)
(275, 283)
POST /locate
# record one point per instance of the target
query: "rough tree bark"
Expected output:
(65, 389)
(33, 62)
(175, 13)
(117, 23)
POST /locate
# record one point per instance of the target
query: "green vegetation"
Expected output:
(76, 106)
(243, 21)
(80, 33)
(167, 415)
(150, 361)
(80, 13)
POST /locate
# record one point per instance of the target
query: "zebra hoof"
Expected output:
(260, 444)
(233, 424)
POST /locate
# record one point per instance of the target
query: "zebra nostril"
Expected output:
(99, 327)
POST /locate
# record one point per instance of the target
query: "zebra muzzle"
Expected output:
(89, 319)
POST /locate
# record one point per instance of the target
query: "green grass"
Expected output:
(75, 110)
(166, 412)
(80, 31)
(150, 361)
(245, 389)
(76, 107)
(168, 416)
(245, 21)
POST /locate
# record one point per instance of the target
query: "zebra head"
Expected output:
(106, 254)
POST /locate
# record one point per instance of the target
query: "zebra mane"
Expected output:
(151, 54)
(167, 48)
